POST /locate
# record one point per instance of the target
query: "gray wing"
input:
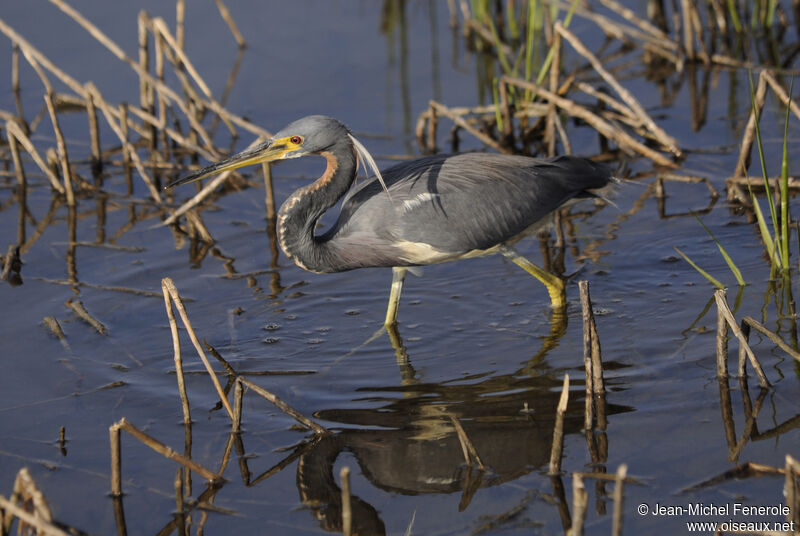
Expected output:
(455, 204)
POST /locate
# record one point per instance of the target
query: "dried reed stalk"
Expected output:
(558, 431)
(42, 527)
(168, 286)
(226, 16)
(62, 150)
(750, 130)
(176, 354)
(347, 510)
(78, 308)
(15, 131)
(771, 336)
(458, 120)
(283, 406)
(109, 113)
(722, 341)
(638, 110)
(161, 448)
(723, 308)
(606, 129)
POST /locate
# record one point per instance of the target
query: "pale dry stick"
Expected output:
(108, 113)
(470, 451)
(146, 91)
(78, 308)
(458, 120)
(19, 171)
(772, 336)
(589, 325)
(226, 16)
(688, 36)
(116, 460)
(558, 431)
(180, 18)
(722, 342)
(603, 127)
(722, 305)
(94, 129)
(43, 528)
(176, 299)
(781, 93)
(562, 133)
(238, 394)
(742, 369)
(607, 99)
(619, 482)
(284, 407)
(176, 354)
(579, 500)
(750, 130)
(161, 27)
(688, 179)
(638, 110)
(39, 71)
(630, 16)
(157, 446)
(197, 228)
(588, 416)
(181, 140)
(62, 150)
(206, 191)
(25, 489)
(347, 510)
(160, 86)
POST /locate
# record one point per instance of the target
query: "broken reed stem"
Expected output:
(238, 394)
(43, 528)
(722, 307)
(558, 431)
(750, 321)
(722, 342)
(176, 354)
(78, 308)
(579, 500)
(62, 150)
(108, 113)
(15, 130)
(619, 482)
(180, 18)
(589, 326)
(25, 490)
(154, 444)
(347, 511)
(283, 406)
(94, 131)
(750, 130)
(226, 16)
(168, 286)
(587, 357)
(458, 120)
(611, 132)
(636, 108)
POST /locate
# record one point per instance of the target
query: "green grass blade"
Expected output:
(700, 270)
(762, 225)
(551, 53)
(737, 25)
(764, 172)
(785, 187)
(734, 269)
(498, 116)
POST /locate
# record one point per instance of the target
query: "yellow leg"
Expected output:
(398, 275)
(554, 284)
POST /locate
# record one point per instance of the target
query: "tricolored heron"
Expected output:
(429, 210)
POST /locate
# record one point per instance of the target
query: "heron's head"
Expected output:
(309, 135)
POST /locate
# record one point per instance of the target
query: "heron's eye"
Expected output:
(297, 140)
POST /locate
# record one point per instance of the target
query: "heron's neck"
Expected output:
(298, 216)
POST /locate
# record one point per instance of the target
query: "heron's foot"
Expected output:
(555, 285)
